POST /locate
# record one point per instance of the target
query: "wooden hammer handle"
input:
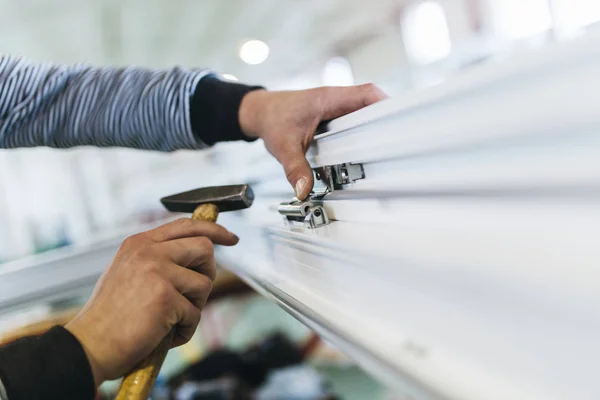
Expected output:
(138, 383)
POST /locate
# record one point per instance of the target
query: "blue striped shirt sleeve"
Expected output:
(66, 106)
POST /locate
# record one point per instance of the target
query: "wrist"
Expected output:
(86, 342)
(251, 112)
(215, 110)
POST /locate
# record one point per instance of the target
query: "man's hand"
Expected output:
(287, 122)
(159, 280)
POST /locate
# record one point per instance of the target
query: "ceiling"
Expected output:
(162, 33)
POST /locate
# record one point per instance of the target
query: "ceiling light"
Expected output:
(230, 77)
(254, 52)
(426, 33)
(337, 72)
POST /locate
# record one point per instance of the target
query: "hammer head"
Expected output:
(226, 198)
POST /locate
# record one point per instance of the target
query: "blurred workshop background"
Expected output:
(51, 199)
(400, 45)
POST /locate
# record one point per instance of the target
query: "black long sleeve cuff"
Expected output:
(50, 366)
(214, 110)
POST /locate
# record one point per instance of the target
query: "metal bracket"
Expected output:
(312, 215)
(333, 177)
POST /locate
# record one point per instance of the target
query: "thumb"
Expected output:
(298, 171)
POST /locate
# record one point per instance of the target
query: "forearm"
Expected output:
(50, 366)
(67, 106)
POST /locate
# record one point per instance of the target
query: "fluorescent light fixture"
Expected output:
(426, 34)
(254, 52)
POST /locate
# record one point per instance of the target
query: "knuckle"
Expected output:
(144, 251)
(290, 174)
(162, 291)
(292, 171)
(176, 227)
(205, 283)
(133, 241)
(184, 223)
(150, 266)
(207, 245)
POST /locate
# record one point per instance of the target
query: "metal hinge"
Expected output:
(334, 177)
(311, 213)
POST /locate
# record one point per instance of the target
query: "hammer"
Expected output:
(204, 205)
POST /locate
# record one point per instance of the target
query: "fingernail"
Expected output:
(300, 185)
(236, 237)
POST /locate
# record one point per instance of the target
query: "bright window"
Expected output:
(426, 34)
(518, 19)
(574, 14)
(338, 72)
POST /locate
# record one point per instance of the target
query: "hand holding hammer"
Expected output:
(205, 205)
(150, 299)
